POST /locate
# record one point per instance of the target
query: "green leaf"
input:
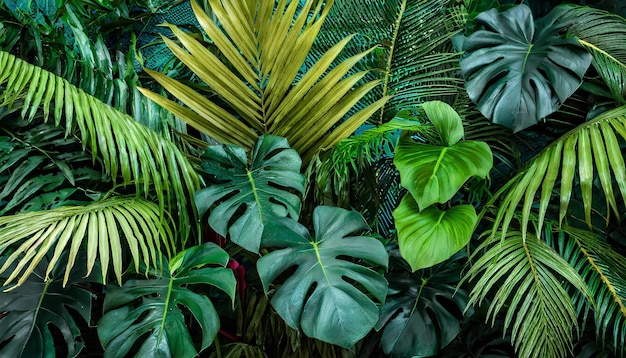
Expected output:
(447, 122)
(265, 187)
(432, 236)
(434, 174)
(148, 312)
(519, 72)
(318, 297)
(423, 314)
(30, 310)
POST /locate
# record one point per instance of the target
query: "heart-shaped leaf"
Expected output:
(266, 188)
(432, 236)
(149, 311)
(327, 294)
(518, 73)
(447, 122)
(424, 313)
(30, 310)
(433, 174)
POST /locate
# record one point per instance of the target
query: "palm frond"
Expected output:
(107, 228)
(602, 33)
(588, 150)
(414, 58)
(526, 279)
(266, 44)
(604, 270)
(131, 153)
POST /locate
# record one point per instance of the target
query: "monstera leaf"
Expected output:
(431, 236)
(264, 187)
(518, 72)
(422, 316)
(148, 312)
(31, 308)
(326, 296)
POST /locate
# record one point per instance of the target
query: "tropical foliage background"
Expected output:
(346, 178)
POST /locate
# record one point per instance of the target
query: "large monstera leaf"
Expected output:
(148, 312)
(31, 308)
(424, 312)
(327, 295)
(267, 188)
(519, 72)
(431, 236)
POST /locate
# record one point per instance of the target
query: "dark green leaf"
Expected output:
(266, 188)
(318, 296)
(519, 72)
(153, 307)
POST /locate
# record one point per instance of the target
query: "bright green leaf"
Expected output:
(447, 122)
(432, 236)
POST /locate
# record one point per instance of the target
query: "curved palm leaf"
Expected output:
(604, 270)
(590, 149)
(28, 237)
(602, 32)
(266, 44)
(526, 277)
(131, 153)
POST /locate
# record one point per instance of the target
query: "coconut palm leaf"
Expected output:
(589, 150)
(524, 277)
(131, 153)
(414, 58)
(604, 270)
(107, 228)
(266, 44)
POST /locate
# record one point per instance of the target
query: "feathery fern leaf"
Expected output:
(129, 151)
(590, 149)
(526, 278)
(28, 237)
(604, 270)
(266, 44)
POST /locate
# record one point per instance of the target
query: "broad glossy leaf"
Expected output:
(424, 313)
(434, 174)
(150, 312)
(328, 295)
(266, 188)
(447, 122)
(38, 304)
(519, 72)
(432, 236)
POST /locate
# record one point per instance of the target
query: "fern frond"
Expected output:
(586, 151)
(604, 270)
(524, 277)
(130, 152)
(106, 228)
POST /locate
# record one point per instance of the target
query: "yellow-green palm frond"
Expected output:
(589, 150)
(525, 279)
(130, 152)
(106, 229)
(266, 44)
(603, 34)
(604, 270)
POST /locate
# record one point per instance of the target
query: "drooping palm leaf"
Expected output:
(524, 278)
(591, 149)
(602, 32)
(107, 228)
(604, 270)
(131, 153)
(266, 44)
